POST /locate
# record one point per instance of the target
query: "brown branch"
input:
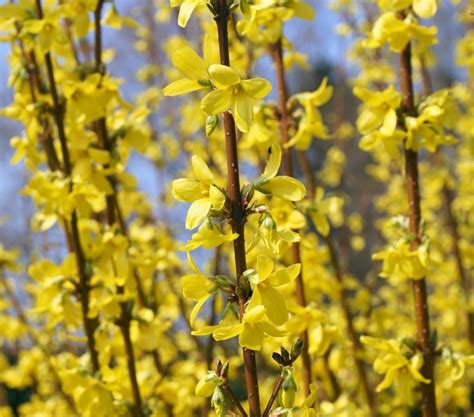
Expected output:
(274, 394)
(284, 123)
(451, 218)
(310, 185)
(357, 346)
(90, 325)
(428, 396)
(112, 205)
(228, 390)
(453, 230)
(277, 54)
(237, 208)
(34, 338)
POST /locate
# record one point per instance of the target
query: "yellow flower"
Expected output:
(272, 235)
(286, 188)
(378, 120)
(194, 69)
(263, 282)
(394, 364)
(205, 387)
(186, 9)
(400, 262)
(197, 287)
(208, 236)
(423, 8)
(8, 257)
(379, 111)
(320, 208)
(233, 93)
(263, 22)
(201, 192)
(436, 113)
(311, 125)
(391, 29)
(48, 30)
(251, 330)
(230, 92)
(456, 363)
(90, 98)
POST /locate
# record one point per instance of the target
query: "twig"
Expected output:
(273, 396)
(428, 396)
(112, 205)
(237, 209)
(277, 55)
(90, 325)
(34, 338)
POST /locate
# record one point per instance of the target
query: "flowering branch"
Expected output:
(90, 325)
(428, 401)
(237, 209)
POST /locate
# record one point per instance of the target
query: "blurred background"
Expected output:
(328, 54)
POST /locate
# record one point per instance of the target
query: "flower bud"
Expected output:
(211, 124)
(204, 388)
(288, 390)
(218, 402)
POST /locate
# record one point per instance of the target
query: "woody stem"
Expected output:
(237, 208)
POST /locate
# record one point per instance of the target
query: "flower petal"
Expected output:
(196, 309)
(256, 87)
(189, 63)
(264, 267)
(285, 275)
(195, 286)
(181, 87)
(425, 8)
(184, 189)
(273, 163)
(201, 170)
(287, 188)
(227, 332)
(254, 315)
(223, 76)
(243, 112)
(197, 212)
(275, 305)
(217, 101)
(252, 337)
(185, 12)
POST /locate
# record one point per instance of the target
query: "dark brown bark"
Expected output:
(274, 394)
(309, 179)
(111, 208)
(451, 218)
(237, 208)
(277, 54)
(18, 308)
(357, 347)
(428, 397)
(90, 325)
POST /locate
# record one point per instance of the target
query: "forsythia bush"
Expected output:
(255, 311)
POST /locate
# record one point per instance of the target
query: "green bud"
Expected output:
(205, 83)
(248, 191)
(233, 7)
(278, 358)
(231, 309)
(218, 402)
(285, 355)
(288, 390)
(296, 350)
(267, 221)
(204, 388)
(211, 124)
(221, 282)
